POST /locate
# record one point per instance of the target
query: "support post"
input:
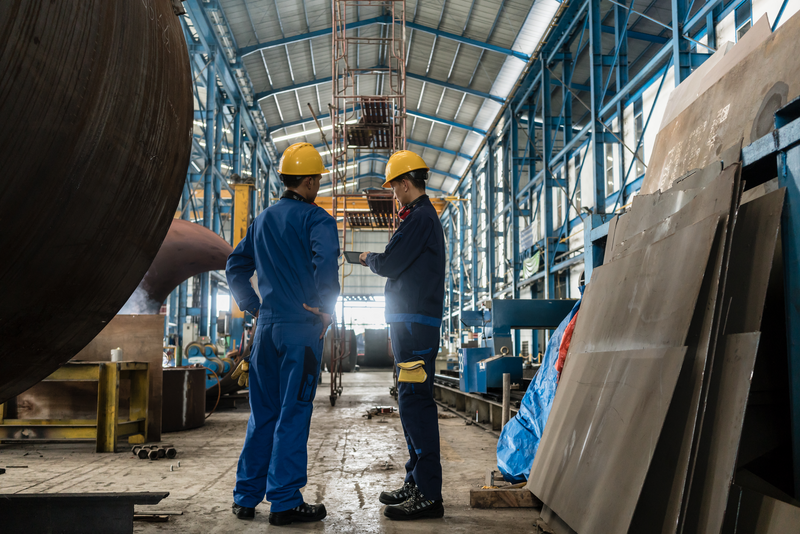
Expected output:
(506, 397)
(107, 407)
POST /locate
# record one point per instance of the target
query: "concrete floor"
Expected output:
(351, 459)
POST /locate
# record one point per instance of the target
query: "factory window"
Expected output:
(638, 119)
(561, 280)
(744, 18)
(609, 151)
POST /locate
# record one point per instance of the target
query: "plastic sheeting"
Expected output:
(520, 438)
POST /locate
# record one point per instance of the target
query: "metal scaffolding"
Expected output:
(365, 125)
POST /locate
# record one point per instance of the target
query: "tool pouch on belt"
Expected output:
(413, 372)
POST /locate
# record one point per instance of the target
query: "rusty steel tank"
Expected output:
(95, 134)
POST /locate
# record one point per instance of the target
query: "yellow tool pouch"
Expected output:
(413, 372)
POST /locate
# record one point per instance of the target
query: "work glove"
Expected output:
(242, 373)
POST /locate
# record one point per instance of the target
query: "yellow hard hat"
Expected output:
(301, 159)
(401, 162)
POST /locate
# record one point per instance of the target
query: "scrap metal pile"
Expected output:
(673, 386)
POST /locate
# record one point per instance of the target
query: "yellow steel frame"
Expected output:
(108, 427)
(240, 221)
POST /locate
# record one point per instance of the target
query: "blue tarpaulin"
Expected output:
(520, 438)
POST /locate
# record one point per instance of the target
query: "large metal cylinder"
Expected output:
(96, 115)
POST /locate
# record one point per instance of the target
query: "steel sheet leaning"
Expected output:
(741, 103)
(602, 431)
(662, 495)
(96, 108)
(646, 299)
(753, 245)
(714, 68)
(725, 410)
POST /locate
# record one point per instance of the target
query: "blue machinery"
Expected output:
(482, 368)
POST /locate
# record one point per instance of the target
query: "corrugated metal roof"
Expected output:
(510, 24)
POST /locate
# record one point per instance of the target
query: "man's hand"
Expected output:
(363, 258)
(326, 318)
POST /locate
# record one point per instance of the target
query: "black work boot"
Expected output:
(397, 496)
(305, 513)
(415, 507)
(243, 512)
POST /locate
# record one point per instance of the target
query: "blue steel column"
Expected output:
(461, 237)
(592, 255)
(474, 224)
(237, 142)
(184, 286)
(451, 244)
(546, 202)
(621, 79)
(711, 30)
(680, 46)
(213, 328)
(489, 186)
(790, 230)
(208, 191)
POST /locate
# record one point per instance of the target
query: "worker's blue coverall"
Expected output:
(294, 248)
(413, 263)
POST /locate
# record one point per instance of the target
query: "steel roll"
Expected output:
(96, 114)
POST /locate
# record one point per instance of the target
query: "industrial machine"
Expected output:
(482, 368)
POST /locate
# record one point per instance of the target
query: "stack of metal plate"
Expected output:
(670, 399)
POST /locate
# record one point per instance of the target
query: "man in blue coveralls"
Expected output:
(413, 264)
(294, 247)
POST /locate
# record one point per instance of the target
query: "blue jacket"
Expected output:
(294, 248)
(414, 263)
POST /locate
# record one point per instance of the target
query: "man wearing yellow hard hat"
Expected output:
(413, 264)
(294, 247)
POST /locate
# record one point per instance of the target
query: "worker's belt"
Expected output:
(413, 372)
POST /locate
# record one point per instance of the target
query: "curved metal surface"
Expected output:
(188, 250)
(96, 108)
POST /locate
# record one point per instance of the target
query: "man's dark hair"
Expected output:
(417, 178)
(292, 181)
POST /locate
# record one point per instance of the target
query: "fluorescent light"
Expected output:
(328, 189)
(299, 134)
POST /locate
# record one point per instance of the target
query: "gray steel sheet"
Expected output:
(751, 258)
(722, 428)
(646, 299)
(601, 434)
(751, 512)
(662, 495)
(714, 199)
(741, 103)
(713, 69)
(649, 210)
(752, 249)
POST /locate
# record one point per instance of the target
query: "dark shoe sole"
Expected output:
(280, 521)
(435, 513)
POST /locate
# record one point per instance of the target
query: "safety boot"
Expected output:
(415, 507)
(305, 513)
(243, 512)
(397, 496)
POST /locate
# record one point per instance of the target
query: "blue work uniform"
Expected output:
(413, 264)
(294, 248)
